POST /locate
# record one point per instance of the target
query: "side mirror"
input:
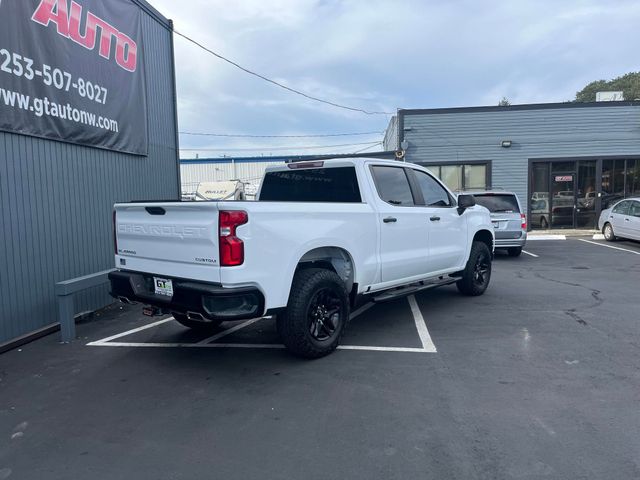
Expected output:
(464, 202)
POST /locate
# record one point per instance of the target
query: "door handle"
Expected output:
(627, 220)
(435, 219)
(390, 220)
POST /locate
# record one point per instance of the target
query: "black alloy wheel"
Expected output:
(476, 275)
(325, 314)
(482, 269)
(316, 315)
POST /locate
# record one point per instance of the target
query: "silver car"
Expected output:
(622, 220)
(509, 223)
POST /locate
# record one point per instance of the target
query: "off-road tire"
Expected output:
(607, 231)
(514, 251)
(470, 283)
(205, 327)
(295, 323)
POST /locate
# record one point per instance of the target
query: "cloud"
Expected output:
(381, 55)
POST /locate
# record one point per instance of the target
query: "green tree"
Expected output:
(504, 102)
(629, 84)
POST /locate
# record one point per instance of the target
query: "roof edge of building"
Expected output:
(153, 12)
(524, 106)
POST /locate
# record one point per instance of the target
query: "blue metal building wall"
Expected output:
(56, 198)
(438, 136)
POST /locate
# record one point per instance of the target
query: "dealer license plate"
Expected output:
(163, 286)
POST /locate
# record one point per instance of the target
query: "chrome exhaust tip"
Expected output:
(196, 316)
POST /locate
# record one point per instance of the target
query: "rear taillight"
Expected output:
(523, 220)
(231, 247)
(115, 236)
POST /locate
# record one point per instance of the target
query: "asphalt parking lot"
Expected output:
(538, 378)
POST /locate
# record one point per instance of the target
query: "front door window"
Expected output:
(540, 201)
(586, 213)
(562, 199)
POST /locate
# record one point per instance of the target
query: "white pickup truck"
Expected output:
(323, 237)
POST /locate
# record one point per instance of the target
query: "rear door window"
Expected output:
(335, 185)
(393, 185)
(498, 203)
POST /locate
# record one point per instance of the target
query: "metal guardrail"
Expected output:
(65, 292)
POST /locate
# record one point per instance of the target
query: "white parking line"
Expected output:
(609, 246)
(423, 333)
(384, 349)
(129, 332)
(184, 345)
(547, 237)
(531, 254)
(421, 326)
(251, 345)
(229, 331)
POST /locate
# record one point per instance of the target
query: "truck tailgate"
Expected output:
(173, 239)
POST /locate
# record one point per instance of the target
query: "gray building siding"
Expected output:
(56, 199)
(536, 131)
(390, 141)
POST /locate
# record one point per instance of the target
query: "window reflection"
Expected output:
(540, 196)
(633, 178)
(612, 182)
(586, 201)
(460, 177)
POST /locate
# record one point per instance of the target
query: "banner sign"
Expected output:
(72, 70)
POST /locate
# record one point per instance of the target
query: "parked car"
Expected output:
(540, 212)
(509, 223)
(621, 221)
(322, 237)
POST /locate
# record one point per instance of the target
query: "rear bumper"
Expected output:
(511, 242)
(209, 300)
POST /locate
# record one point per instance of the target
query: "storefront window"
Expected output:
(586, 201)
(460, 177)
(451, 175)
(612, 182)
(540, 196)
(633, 178)
(475, 177)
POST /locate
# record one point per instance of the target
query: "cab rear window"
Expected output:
(498, 203)
(336, 185)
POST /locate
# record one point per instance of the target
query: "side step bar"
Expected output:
(400, 292)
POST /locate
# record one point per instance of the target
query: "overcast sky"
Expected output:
(381, 55)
